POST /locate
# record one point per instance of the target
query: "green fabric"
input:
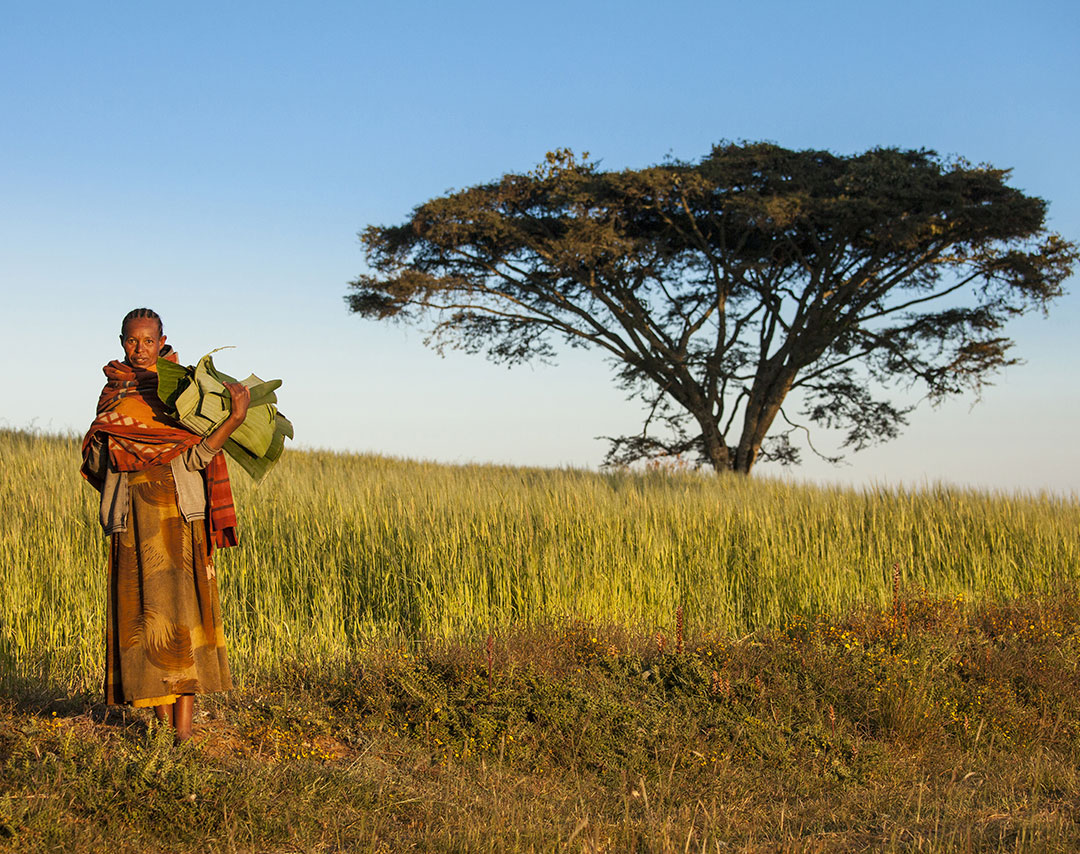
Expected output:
(198, 399)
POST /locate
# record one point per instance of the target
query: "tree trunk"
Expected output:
(716, 449)
(766, 398)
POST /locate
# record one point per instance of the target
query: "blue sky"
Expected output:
(215, 161)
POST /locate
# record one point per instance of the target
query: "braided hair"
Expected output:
(141, 314)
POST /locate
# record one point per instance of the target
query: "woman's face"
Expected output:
(142, 342)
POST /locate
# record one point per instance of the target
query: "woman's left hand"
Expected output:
(240, 395)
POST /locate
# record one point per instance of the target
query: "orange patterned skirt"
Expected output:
(163, 628)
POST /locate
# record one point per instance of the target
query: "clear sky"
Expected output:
(214, 161)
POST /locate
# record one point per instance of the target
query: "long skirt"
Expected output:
(164, 635)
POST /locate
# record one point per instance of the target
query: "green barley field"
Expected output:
(340, 550)
(473, 658)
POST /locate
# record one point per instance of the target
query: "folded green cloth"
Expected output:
(197, 398)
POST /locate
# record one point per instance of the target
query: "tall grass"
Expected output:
(339, 550)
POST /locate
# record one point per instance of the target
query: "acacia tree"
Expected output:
(720, 287)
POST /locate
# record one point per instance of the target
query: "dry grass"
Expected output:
(934, 726)
(494, 659)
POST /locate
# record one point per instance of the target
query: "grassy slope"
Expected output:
(937, 726)
(937, 721)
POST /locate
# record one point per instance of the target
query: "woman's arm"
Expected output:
(241, 397)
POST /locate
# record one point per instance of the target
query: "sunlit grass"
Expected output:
(343, 550)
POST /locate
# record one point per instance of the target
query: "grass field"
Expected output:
(340, 550)
(935, 726)
(490, 659)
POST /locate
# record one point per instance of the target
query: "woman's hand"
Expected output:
(241, 397)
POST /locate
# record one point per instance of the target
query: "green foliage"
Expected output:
(719, 288)
(198, 399)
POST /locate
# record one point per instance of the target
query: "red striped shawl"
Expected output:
(139, 433)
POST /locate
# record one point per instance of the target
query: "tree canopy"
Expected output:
(719, 288)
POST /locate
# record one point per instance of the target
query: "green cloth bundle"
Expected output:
(197, 398)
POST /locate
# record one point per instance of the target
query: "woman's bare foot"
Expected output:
(164, 713)
(183, 710)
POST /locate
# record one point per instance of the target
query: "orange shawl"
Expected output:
(139, 433)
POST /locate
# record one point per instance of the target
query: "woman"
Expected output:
(166, 503)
